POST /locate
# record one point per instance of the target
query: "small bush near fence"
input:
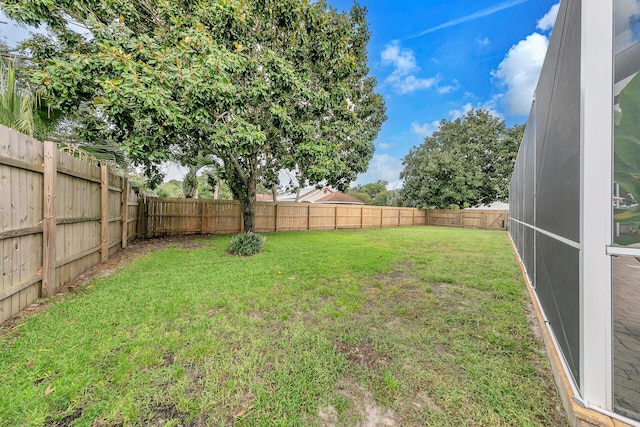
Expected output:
(246, 244)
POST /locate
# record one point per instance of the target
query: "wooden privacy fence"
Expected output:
(166, 217)
(484, 219)
(59, 216)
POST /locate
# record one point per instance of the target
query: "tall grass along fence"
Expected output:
(167, 217)
(59, 216)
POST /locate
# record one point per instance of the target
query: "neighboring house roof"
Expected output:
(309, 195)
(339, 197)
(264, 198)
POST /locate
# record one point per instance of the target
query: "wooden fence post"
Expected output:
(124, 212)
(104, 209)
(49, 221)
(336, 217)
(381, 215)
(461, 213)
(275, 219)
(399, 214)
(308, 216)
(362, 216)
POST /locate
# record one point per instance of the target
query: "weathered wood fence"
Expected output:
(59, 216)
(169, 217)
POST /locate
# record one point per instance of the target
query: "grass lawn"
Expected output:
(407, 326)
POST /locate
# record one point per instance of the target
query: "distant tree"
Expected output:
(360, 195)
(466, 162)
(372, 189)
(212, 187)
(172, 189)
(388, 198)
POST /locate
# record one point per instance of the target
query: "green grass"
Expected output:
(419, 326)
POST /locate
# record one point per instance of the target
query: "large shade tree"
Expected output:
(259, 85)
(465, 162)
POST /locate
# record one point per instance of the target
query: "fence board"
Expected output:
(188, 216)
(70, 222)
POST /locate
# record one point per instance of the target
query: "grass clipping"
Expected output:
(246, 244)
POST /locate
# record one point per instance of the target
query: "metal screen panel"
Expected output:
(558, 129)
(558, 288)
(545, 189)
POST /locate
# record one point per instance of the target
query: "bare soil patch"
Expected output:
(362, 407)
(363, 354)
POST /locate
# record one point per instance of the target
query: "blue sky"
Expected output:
(436, 59)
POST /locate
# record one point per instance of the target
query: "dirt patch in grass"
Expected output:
(533, 321)
(363, 354)
(164, 413)
(362, 410)
(65, 421)
(401, 271)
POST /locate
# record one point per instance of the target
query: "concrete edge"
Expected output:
(578, 415)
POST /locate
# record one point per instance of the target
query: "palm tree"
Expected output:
(190, 182)
(23, 109)
(16, 107)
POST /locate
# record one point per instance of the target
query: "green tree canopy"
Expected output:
(466, 162)
(260, 85)
(388, 198)
(373, 188)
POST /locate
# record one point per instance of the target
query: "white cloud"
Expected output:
(519, 72)
(425, 129)
(442, 90)
(484, 42)
(382, 166)
(384, 145)
(403, 78)
(410, 84)
(547, 21)
(403, 60)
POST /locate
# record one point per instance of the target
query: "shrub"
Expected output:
(246, 244)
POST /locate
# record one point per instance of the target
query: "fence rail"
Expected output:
(170, 217)
(59, 216)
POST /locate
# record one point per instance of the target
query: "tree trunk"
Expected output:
(298, 194)
(248, 205)
(216, 191)
(274, 193)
